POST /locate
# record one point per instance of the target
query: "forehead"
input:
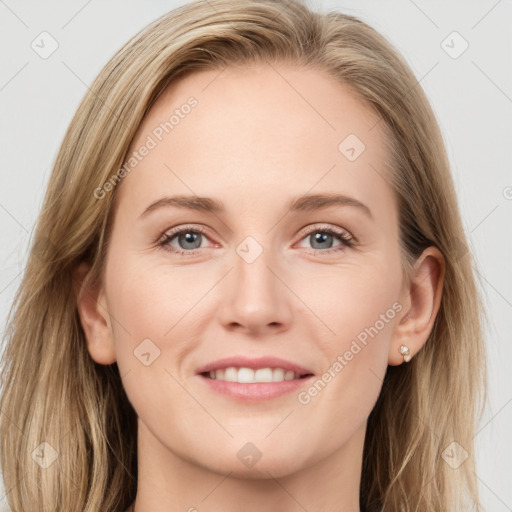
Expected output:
(255, 131)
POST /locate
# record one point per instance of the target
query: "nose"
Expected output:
(255, 298)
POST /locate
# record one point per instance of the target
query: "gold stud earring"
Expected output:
(404, 350)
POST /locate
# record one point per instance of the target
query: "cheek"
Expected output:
(153, 301)
(160, 317)
(365, 312)
(153, 310)
(354, 302)
(360, 307)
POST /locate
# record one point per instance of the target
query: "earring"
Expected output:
(404, 350)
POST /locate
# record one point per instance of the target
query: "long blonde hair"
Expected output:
(59, 405)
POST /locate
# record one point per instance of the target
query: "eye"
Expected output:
(183, 240)
(187, 240)
(322, 239)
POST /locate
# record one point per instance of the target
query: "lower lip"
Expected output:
(257, 391)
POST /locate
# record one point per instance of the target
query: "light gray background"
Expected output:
(471, 96)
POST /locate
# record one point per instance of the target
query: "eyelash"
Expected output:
(346, 240)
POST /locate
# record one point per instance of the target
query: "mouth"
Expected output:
(257, 379)
(252, 376)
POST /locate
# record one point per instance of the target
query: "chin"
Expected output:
(253, 463)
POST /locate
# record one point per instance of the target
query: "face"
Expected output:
(286, 284)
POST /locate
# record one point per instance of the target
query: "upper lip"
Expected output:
(254, 363)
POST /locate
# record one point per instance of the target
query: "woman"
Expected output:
(249, 285)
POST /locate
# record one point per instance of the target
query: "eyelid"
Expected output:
(184, 227)
(328, 227)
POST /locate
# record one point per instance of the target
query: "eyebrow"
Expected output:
(309, 202)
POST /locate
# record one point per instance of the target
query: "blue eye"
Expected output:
(189, 240)
(321, 239)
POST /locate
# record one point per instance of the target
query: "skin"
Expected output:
(259, 137)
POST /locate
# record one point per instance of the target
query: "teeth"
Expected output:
(248, 375)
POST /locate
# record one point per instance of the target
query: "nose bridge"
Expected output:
(256, 298)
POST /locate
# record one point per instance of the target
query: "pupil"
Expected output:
(321, 238)
(189, 238)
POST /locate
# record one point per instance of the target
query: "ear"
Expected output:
(94, 317)
(421, 298)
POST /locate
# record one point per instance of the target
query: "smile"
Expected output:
(250, 375)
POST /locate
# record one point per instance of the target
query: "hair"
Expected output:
(52, 390)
